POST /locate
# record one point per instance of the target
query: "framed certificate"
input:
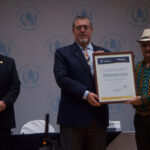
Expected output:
(114, 76)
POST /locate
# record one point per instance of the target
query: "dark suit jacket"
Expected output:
(9, 90)
(73, 76)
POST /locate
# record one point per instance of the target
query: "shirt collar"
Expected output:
(89, 46)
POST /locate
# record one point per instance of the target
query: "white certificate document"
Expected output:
(114, 75)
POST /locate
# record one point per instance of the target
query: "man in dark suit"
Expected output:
(9, 91)
(83, 120)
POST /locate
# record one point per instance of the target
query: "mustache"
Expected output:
(83, 34)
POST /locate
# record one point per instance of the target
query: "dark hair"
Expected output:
(81, 17)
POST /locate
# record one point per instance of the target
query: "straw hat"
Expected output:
(145, 36)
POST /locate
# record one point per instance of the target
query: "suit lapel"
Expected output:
(95, 48)
(77, 52)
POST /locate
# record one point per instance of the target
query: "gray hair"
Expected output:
(81, 17)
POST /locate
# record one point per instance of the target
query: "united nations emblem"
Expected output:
(6, 46)
(113, 42)
(84, 10)
(54, 43)
(139, 15)
(30, 76)
(28, 18)
(53, 103)
(116, 108)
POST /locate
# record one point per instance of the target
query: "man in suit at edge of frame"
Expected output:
(9, 91)
(141, 103)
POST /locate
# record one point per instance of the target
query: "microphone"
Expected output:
(46, 139)
(46, 124)
(47, 143)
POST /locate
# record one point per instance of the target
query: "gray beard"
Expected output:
(83, 40)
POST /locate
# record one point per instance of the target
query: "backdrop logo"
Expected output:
(53, 103)
(28, 18)
(54, 43)
(30, 76)
(113, 42)
(139, 15)
(116, 108)
(6, 46)
(84, 10)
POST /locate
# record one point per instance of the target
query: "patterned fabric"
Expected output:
(87, 57)
(143, 86)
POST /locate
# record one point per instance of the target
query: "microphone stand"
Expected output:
(47, 143)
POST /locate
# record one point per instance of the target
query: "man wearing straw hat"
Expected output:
(142, 102)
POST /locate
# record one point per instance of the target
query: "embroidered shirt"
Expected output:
(143, 85)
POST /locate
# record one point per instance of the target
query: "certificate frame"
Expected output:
(114, 76)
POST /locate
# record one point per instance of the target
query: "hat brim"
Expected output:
(143, 40)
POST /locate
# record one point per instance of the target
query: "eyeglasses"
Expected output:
(145, 45)
(79, 27)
